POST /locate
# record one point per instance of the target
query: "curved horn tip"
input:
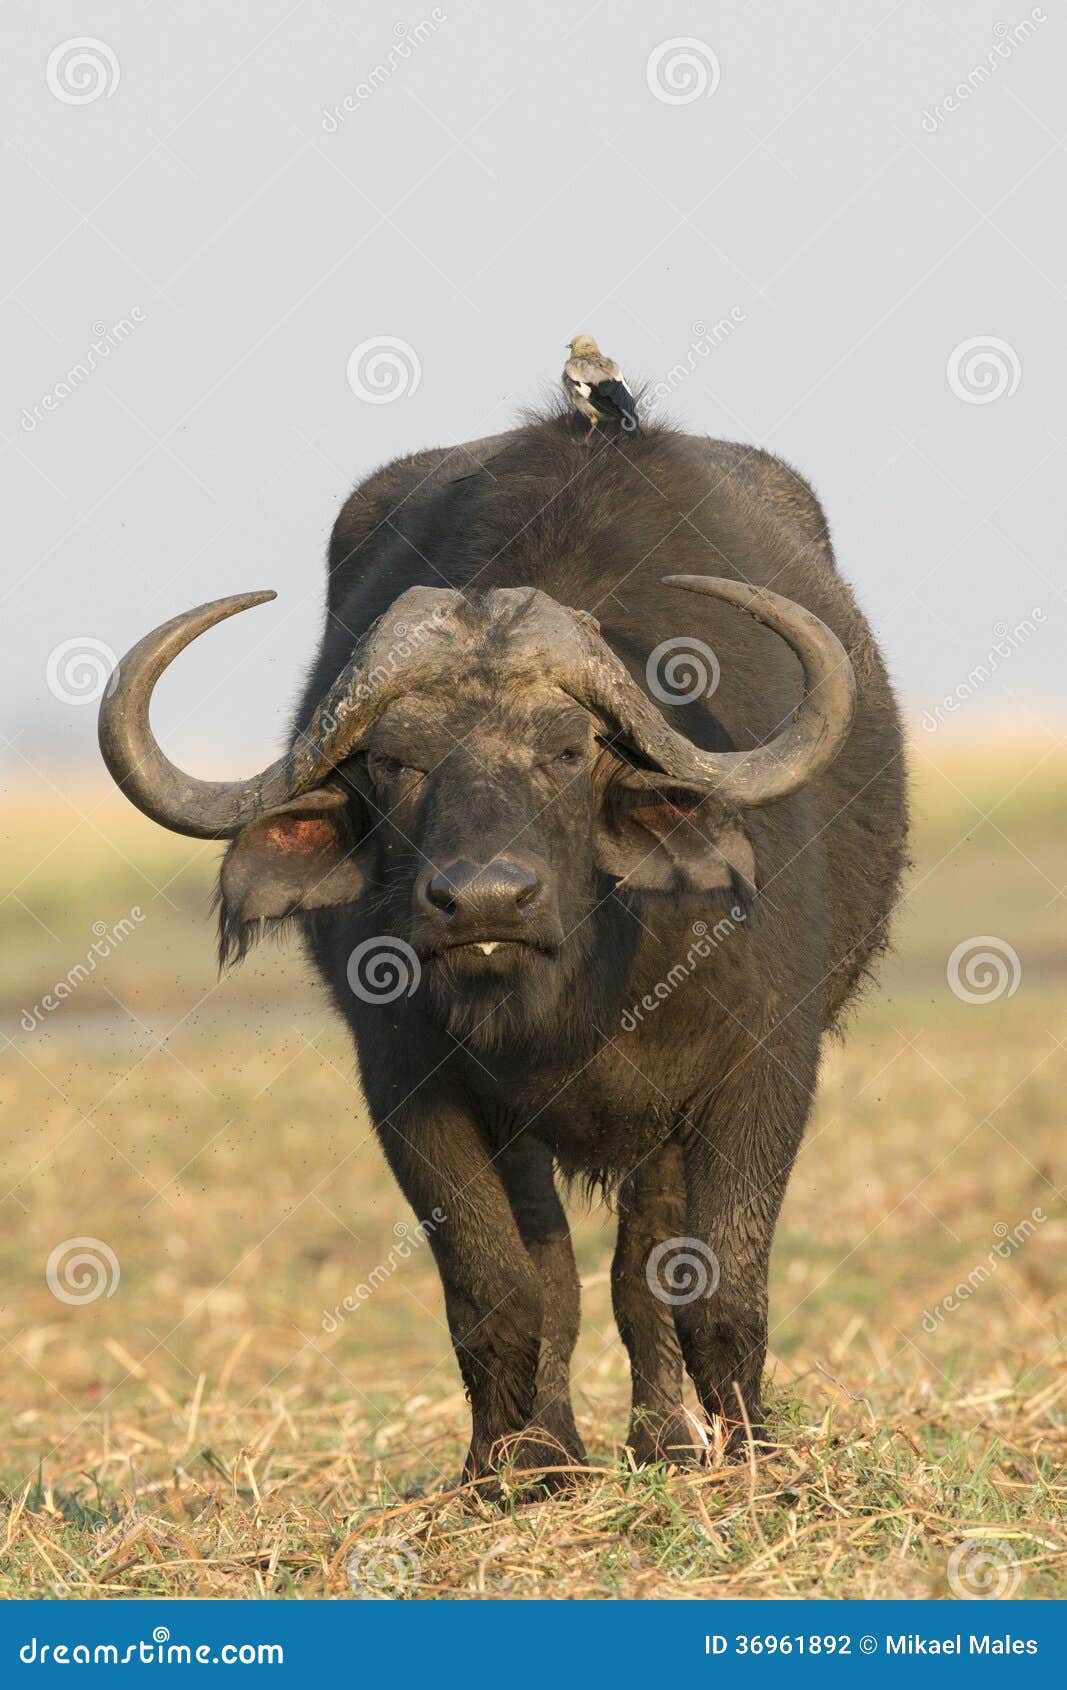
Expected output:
(262, 595)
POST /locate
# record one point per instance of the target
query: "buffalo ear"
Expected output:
(300, 856)
(659, 836)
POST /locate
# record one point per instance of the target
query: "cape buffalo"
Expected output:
(593, 816)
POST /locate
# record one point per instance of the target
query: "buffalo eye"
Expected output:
(391, 767)
(569, 755)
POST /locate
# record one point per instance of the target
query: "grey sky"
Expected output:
(795, 235)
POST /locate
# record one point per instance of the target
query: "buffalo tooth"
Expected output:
(487, 950)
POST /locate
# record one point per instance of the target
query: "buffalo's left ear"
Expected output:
(658, 836)
(300, 856)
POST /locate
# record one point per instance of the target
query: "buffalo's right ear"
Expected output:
(300, 856)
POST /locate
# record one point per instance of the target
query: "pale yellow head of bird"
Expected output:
(583, 346)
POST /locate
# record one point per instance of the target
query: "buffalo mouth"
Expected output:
(489, 954)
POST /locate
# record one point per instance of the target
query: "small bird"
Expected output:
(595, 387)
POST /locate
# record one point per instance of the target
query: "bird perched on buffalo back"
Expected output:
(595, 387)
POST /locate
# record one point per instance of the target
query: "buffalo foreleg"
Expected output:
(493, 1296)
(525, 1167)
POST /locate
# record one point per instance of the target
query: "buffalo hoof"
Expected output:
(525, 1467)
(677, 1438)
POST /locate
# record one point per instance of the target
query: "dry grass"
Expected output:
(200, 1433)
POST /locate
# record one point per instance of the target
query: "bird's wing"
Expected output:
(614, 397)
(582, 374)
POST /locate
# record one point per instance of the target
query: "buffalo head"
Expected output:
(478, 763)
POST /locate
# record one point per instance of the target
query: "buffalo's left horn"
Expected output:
(211, 809)
(807, 744)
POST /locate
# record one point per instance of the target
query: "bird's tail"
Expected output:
(619, 397)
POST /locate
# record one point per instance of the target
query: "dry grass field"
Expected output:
(190, 1427)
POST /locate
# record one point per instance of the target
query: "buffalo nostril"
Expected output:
(526, 886)
(441, 893)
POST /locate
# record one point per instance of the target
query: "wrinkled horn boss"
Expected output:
(568, 649)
